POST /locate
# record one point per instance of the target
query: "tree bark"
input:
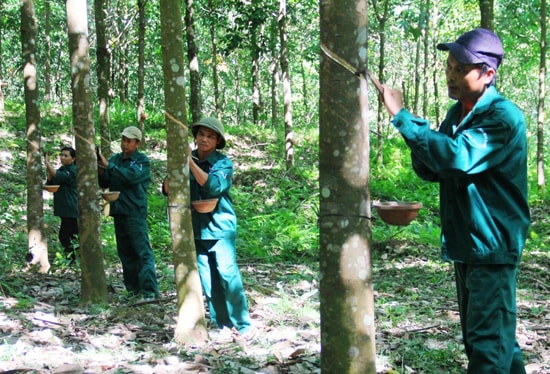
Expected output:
(382, 17)
(347, 303)
(435, 16)
(47, 51)
(541, 182)
(38, 248)
(305, 93)
(191, 323)
(141, 66)
(103, 55)
(195, 101)
(416, 83)
(425, 26)
(255, 73)
(121, 23)
(237, 80)
(123, 71)
(486, 8)
(1, 99)
(93, 288)
(287, 88)
(1, 45)
(274, 72)
(214, 50)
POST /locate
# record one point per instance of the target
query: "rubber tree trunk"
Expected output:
(94, 286)
(103, 69)
(142, 25)
(195, 100)
(191, 324)
(347, 306)
(38, 248)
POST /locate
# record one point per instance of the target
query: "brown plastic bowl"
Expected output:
(398, 213)
(110, 196)
(204, 206)
(51, 187)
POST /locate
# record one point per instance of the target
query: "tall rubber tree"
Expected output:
(37, 245)
(94, 286)
(287, 87)
(47, 52)
(212, 9)
(191, 323)
(142, 24)
(381, 12)
(541, 181)
(195, 99)
(347, 306)
(103, 68)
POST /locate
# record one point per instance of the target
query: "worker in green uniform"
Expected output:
(65, 199)
(215, 232)
(479, 159)
(129, 173)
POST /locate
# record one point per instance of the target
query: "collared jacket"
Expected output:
(131, 176)
(222, 222)
(481, 167)
(65, 200)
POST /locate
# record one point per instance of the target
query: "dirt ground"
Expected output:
(43, 330)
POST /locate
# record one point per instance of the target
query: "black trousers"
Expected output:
(68, 234)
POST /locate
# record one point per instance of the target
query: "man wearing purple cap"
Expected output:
(479, 158)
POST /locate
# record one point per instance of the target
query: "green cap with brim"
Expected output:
(213, 124)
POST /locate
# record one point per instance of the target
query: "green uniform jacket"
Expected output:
(65, 200)
(222, 222)
(481, 167)
(131, 176)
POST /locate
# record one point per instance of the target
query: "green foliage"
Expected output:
(24, 303)
(276, 228)
(108, 240)
(277, 209)
(280, 222)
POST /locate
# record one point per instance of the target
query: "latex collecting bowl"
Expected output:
(110, 195)
(204, 206)
(51, 187)
(398, 213)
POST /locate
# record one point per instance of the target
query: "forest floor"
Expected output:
(44, 331)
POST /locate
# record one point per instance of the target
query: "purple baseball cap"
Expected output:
(479, 46)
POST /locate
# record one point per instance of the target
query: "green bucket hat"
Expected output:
(213, 124)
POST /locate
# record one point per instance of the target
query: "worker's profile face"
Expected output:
(466, 81)
(207, 139)
(129, 146)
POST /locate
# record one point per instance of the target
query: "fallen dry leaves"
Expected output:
(44, 331)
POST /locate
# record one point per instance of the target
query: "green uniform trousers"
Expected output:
(222, 284)
(488, 313)
(136, 255)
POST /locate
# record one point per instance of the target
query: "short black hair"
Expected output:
(70, 149)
